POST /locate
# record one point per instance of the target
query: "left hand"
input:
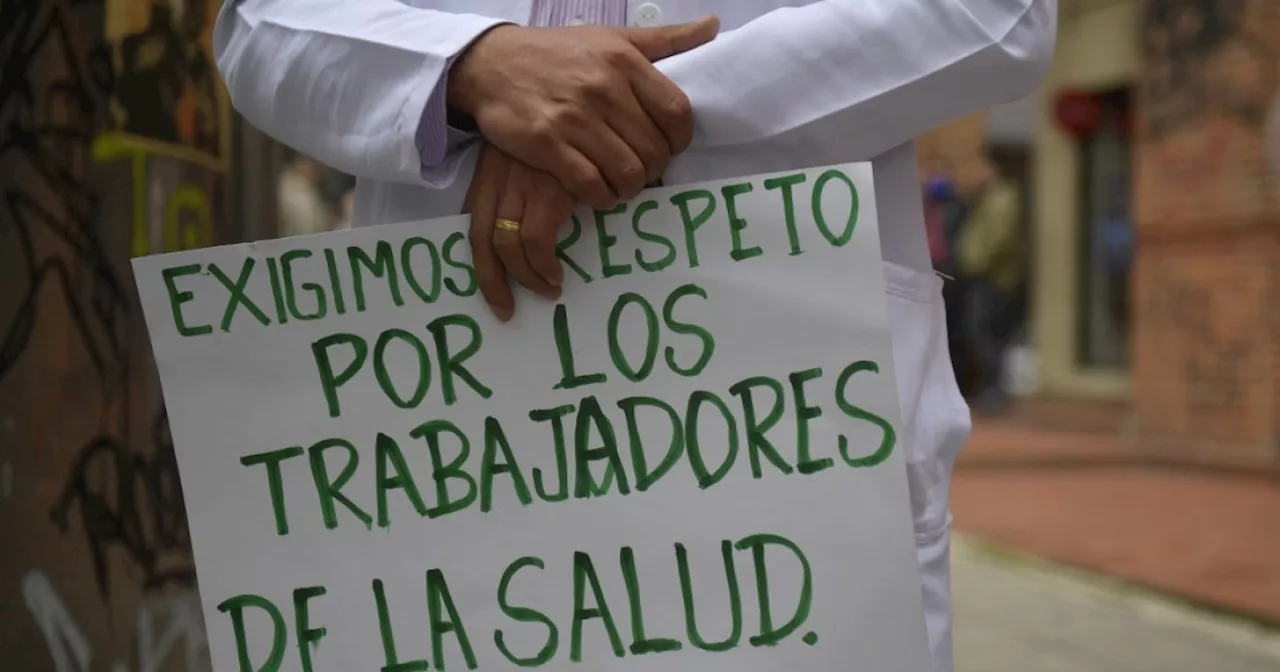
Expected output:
(516, 212)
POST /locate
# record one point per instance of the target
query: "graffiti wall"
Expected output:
(114, 137)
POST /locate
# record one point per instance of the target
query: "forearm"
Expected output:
(878, 72)
(346, 82)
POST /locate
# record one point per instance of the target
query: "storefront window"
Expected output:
(1108, 236)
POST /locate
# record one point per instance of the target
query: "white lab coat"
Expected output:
(788, 84)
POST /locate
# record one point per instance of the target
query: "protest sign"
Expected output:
(689, 462)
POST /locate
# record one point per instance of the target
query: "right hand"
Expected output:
(584, 103)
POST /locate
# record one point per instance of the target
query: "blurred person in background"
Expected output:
(343, 187)
(302, 206)
(346, 208)
(990, 257)
(945, 213)
(438, 113)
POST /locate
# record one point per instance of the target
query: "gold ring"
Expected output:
(510, 225)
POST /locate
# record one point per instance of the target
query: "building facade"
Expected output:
(1156, 217)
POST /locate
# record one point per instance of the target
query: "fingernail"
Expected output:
(502, 313)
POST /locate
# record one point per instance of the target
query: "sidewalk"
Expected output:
(1083, 499)
(1016, 614)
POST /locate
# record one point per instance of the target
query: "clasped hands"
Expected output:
(569, 116)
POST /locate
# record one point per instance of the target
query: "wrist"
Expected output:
(464, 92)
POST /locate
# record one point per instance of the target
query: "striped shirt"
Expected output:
(576, 12)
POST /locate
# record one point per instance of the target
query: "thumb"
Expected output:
(661, 42)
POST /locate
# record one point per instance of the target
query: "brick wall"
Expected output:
(1206, 323)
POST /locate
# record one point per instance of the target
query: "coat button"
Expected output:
(648, 15)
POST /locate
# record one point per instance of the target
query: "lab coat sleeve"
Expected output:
(345, 81)
(878, 72)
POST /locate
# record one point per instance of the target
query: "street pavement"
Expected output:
(1015, 614)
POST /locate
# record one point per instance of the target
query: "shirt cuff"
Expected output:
(435, 137)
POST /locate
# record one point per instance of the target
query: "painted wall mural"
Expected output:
(115, 136)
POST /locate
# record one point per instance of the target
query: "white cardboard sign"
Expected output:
(689, 463)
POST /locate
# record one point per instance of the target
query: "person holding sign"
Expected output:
(519, 110)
